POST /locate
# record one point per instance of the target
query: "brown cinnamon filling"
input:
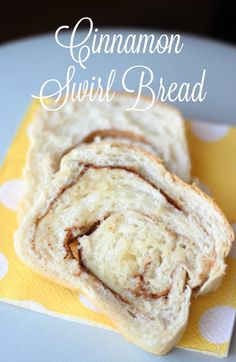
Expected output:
(141, 291)
(106, 133)
(171, 200)
(114, 133)
(71, 240)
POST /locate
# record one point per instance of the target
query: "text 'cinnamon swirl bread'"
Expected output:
(138, 241)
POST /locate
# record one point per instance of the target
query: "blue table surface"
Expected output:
(24, 66)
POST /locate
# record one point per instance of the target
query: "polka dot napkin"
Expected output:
(213, 153)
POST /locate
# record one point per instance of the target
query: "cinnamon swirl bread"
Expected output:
(160, 130)
(138, 241)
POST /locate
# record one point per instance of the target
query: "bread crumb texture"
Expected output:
(212, 316)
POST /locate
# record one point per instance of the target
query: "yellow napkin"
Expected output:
(213, 153)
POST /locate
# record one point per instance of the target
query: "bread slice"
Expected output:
(160, 130)
(115, 224)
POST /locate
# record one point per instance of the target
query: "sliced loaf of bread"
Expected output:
(116, 225)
